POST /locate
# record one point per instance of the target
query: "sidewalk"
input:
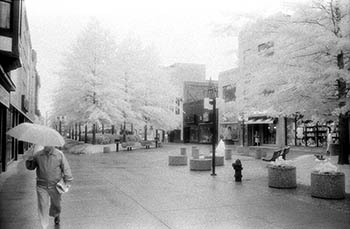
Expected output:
(137, 189)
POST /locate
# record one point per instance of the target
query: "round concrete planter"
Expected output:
(328, 185)
(200, 164)
(228, 154)
(177, 160)
(219, 160)
(282, 177)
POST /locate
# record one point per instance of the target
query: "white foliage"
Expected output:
(102, 82)
(299, 71)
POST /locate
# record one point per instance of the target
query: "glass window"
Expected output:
(5, 14)
(229, 93)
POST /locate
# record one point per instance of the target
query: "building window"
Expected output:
(266, 48)
(229, 93)
(5, 14)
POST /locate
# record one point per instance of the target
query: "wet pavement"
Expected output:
(137, 189)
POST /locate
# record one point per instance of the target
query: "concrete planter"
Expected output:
(328, 185)
(282, 177)
(200, 164)
(183, 151)
(195, 153)
(228, 154)
(177, 160)
(219, 160)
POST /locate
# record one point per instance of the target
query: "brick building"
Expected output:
(19, 80)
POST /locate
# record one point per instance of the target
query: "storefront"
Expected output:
(230, 132)
(6, 85)
(310, 134)
(261, 131)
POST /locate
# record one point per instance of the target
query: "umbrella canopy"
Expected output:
(37, 134)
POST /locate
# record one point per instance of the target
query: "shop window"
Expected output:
(313, 135)
(5, 14)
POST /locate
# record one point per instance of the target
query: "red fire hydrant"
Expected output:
(237, 166)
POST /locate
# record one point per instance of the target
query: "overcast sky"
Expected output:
(181, 30)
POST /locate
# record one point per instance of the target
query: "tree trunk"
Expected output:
(86, 134)
(344, 139)
(79, 132)
(94, 134)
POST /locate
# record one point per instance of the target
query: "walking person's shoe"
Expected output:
(57, 220)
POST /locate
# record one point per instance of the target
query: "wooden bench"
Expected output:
(278, 153)
(285, 152)
(128, 145)
(275, 155)
(147, 144)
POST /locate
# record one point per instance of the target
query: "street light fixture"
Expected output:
(212, 93)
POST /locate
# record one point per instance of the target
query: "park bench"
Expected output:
(285, 152)
(147, 143)
(275, 155)
(320, 156)
(128, 145)
(278, 153)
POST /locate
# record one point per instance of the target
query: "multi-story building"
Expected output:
(19, 80)
(178, 74)
(257, 70)
(198, 113)
(229, 126)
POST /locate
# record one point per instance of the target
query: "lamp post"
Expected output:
(243, 133)
(212, 92)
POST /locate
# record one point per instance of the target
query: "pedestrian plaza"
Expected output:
(138, 189)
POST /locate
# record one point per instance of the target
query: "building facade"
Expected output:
(257, 72)
(229, 125)
(198, 113)
(19, 79)
(178, 74)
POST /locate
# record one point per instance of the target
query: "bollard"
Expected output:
(116, 144)
(228, 154)
(195, 153)
(183, 151)
(237, 166)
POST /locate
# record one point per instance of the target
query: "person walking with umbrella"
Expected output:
(51, 167)
(53, 172)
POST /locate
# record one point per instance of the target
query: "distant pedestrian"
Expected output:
(228, 134)
(329, 142)
(51, 168)
(256, 139)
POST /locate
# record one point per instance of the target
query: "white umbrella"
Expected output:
(37, 134)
